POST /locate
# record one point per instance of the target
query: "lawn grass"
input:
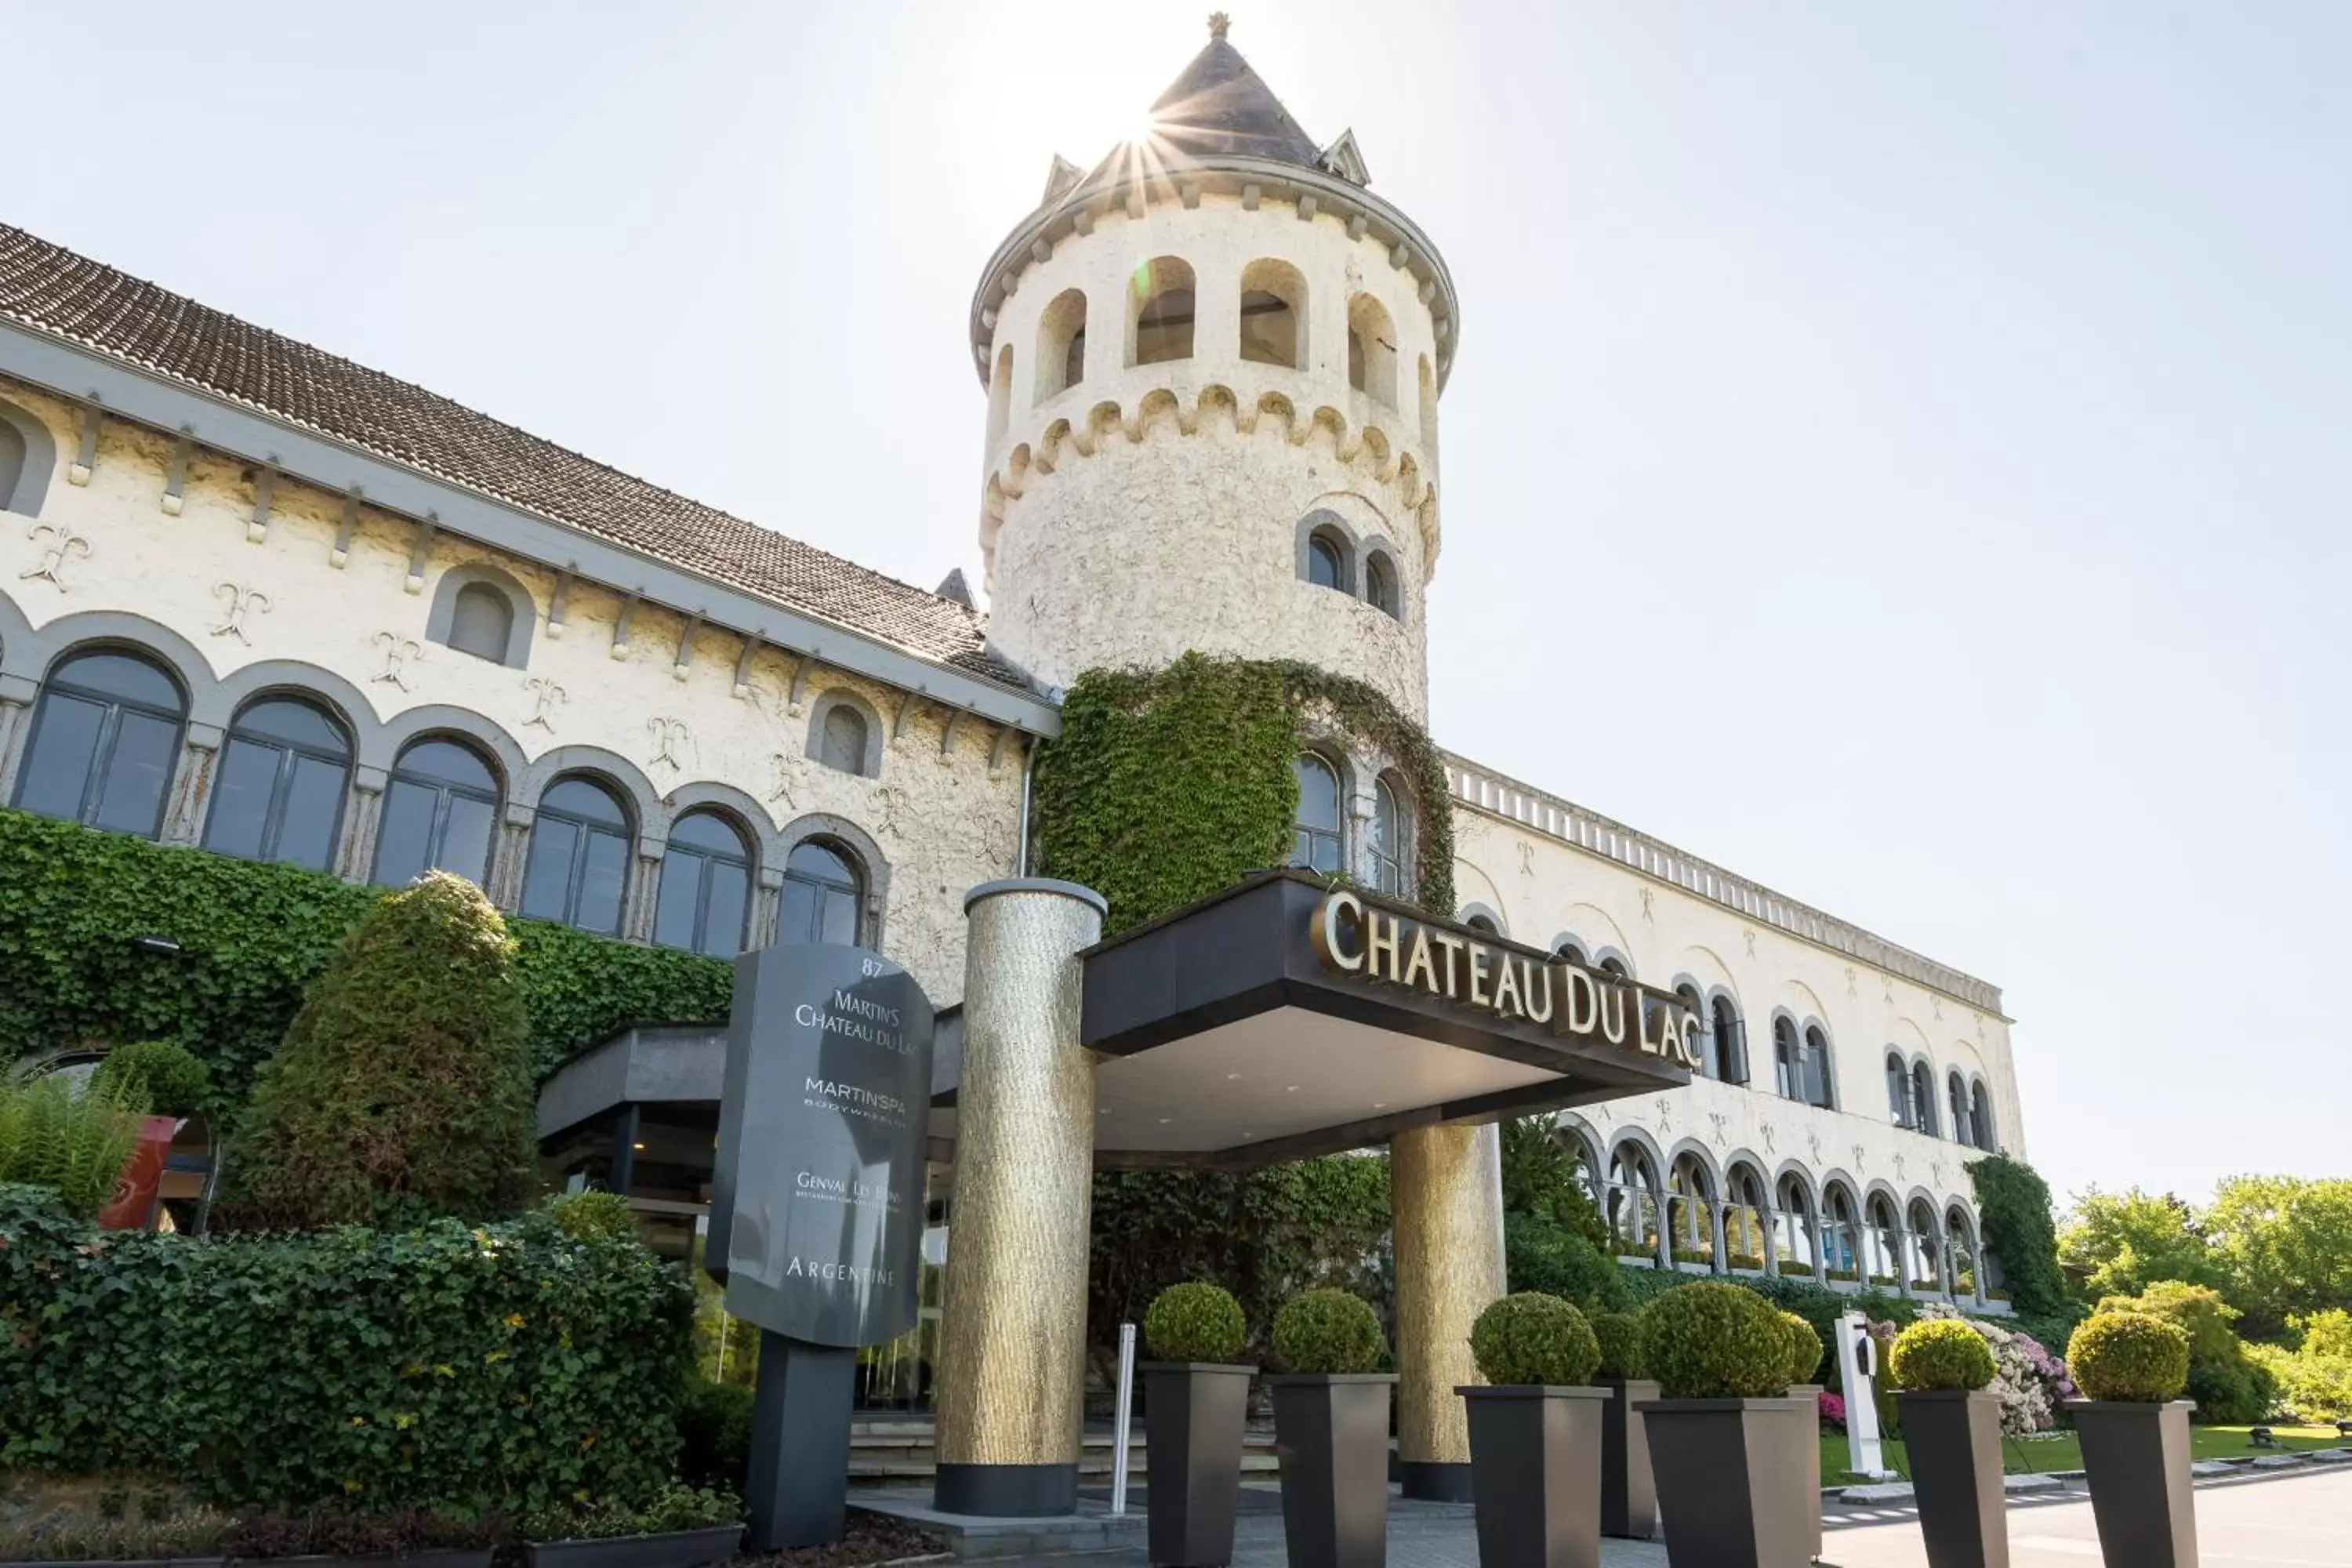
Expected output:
(2063, 1451)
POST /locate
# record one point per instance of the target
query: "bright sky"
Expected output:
(1903, 453)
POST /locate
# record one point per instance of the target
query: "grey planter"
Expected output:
(2136, 1458)
(1629, 1498)
(1954, 1440)
(1729, 1481)
(1331, 1437)
(1808, 1423)
(671, 1548)
(1193, 1414)
(1534, 1474)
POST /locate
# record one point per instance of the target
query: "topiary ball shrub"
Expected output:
(1619, 1335)
(170, 1078)
(1329, 1331)
(2129, 1356)
(1713, 1341)
(1804, 1347)
(1940, 1354)
(1195, 1321)
(1532, 1337)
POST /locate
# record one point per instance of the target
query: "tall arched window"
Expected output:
(106, 737)
(1000, 395)
(284, 773)
(1391, 834)
(1744, 1219)
(1898, 1089)
(1160, 296)
(1798, 1237)
(1923, 1099)
(821, 896)
(1690, 1211)
(440, 809)
(578, 869)
(1817, 1076)
(1882, 1253)
(1730, 1040)
(1710, 1055)
(1428, 411)
(480, 622)
(1061, 344)
(1980, 1124)
(1380, 585)
(1273, 304)
(1372, 350)
(1955, 1090)
(1840, 1236)
(1632, 1211)
(705, 903)
(843, 738)
(1787, 1059)
(1327, 560)
(1315, 842)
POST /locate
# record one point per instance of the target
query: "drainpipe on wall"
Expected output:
(1028, 762)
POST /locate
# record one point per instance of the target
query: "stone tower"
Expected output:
(1212, 368)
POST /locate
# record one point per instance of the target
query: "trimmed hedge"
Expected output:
(2135, 1357)
(1532, 1337)
(1195, 1321)
(1323, 1332)
(1940, 1354)
(1805, 1347)
(1619, 1335)
(447, 1369)
(252, 938)
(1713, 1341)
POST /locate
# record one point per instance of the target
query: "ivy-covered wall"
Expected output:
(73, 903)
(1165, 785)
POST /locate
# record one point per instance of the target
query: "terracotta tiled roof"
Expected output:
(52, 289)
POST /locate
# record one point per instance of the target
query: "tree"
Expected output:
(403, 1089)
(1544, 1174)
(2286, 1244)
(2013, 1208)
(2230, 1387)
(2119, 1244)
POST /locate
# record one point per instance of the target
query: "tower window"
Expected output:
(1062, 344)
(1274, 311)
(1160, 302)
(1327, 564)
(1315, 840)
(1391, 834)
(1372, 350)
(1380, 585)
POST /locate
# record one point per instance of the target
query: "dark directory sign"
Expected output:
(816, 1210)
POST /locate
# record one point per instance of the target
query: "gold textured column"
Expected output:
(1013, 1322)
(1446, 1194)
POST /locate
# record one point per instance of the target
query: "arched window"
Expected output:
(1428, 411)
(12, 462)
(1923, 1099)
(1980, 1124)
(1840, 1237)
(1744, 1218)
(284, 773)
(1898, 1089)
(1568, 948)
(106, 737)
(1881, 1252)
(1787, 1059)
(1380, 585)
(821, 897)
(1483, 923)
(440, 809)
(1730, 1040)
(1273, 304)
(1612, 965)
(1327, 560)
(1795, 1229)
(705, 903)
(1955, 1090)
(1690, 1211)
(1315, 842)
(1160, 297)
(1817, 1089)
(1061, 344)
(1372, 350)
(579, 862)
(1633, 1208)
(1710, 1057)
(1925, 1272)
(1391, 838)
(1000, 395)
(480, 622)
(842, 739)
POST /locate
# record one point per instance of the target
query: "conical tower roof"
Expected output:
(1219, 107)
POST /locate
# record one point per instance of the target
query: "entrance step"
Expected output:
(896, 1451)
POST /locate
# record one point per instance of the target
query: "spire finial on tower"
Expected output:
(1218, 22)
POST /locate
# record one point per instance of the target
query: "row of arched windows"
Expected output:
(1319, 835)
(1911, 1100)
(1331, 558)
(106, 740)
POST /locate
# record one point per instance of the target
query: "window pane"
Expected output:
(295, 723)
(723, 917)
(447, 763)
(811, 859)
(588, 801)
(603, 881)
(1318, 794)
(681, 885)
(465, 839)
(840, 917)
(137, 774)
(796, 913)
(404, 843)
(248, 773)
(57, 771)
(706, 830)
(313, 810)
(119, 675)
(547, 874)
(1322, 562)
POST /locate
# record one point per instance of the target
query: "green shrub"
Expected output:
(1532, 1337)
(404, 1088)
(1708, 1340)
(1619, 1335)
(1940, 1354)
(1329, 1331)
(1195, 1321)
(673, 1508)
(69, 1537)
(170, 1078)
(1543, 1253)
(714, 1430)
(2230, 1388)
(594, 1215)
(253, 939)
(2129, 1356)
(1804, 1347)
(69, 1140)
(446, 1369)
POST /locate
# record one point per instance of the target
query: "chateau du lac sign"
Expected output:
(816, 1211)
(1504, 983)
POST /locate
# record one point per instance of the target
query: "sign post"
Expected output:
(816, 1210)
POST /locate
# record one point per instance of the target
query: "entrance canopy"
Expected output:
(1283, 1017)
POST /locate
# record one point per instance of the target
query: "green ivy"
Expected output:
(2013, 1208)
(1165, 785)
(252, 938)
(447, 1369)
